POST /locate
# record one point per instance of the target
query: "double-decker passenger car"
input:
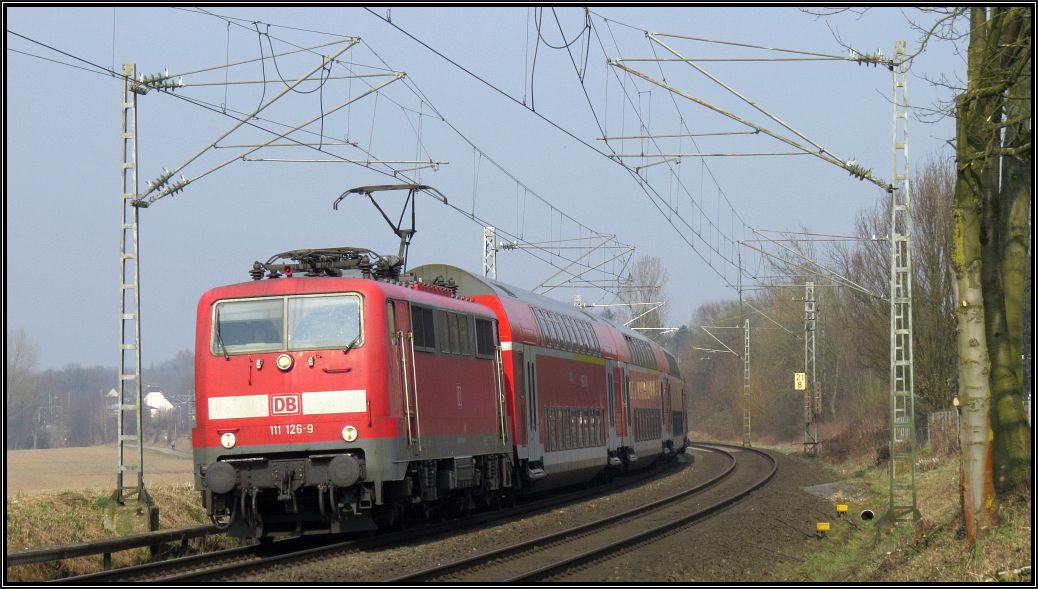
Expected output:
(336, 395)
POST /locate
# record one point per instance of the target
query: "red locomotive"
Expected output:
(338, 395)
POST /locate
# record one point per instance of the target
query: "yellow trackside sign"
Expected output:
(800, 381)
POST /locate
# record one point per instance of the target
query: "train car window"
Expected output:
(567, 435)
(594, 339)
(641, 353)
(452, 330)
(442, 336)
(465, 334)
(575, 414)
(564, 336)
(585, 430)
(417, 327)
(627, 396)
(577, 429)
(556, 330)
(585, 343)
(571, 333)
(578, 331)
(610, 399)
(391, 321)
(484, 338)
(430, 329)
(567, 332)
(672, 363)
(423, 327)
(541, 327)
(323, 322)
(555, 429)
(248, 326)
(601, 428)
(549, 324)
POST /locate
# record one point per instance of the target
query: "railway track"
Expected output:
(556, 555)
(236, 562)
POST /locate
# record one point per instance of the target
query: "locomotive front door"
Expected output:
(404, 366)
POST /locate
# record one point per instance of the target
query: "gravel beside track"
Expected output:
(774, 524)
(735, 545)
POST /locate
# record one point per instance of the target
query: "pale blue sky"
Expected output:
(62, 146)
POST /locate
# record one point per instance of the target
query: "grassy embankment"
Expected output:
(932, 551)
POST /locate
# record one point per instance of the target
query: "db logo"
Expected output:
(284, 404)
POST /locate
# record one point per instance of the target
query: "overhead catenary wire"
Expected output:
(250, 121)
(643, 186)
(696, 205)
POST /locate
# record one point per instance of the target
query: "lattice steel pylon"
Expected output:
(746, 384)
(128, 404)
(490, 252)
(813, 392)
(903, 504)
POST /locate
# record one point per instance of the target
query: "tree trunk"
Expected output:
(1012, 451)
(968, 213)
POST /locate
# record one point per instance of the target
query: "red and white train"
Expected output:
(334, 395)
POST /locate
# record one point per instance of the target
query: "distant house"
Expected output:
(157, 404)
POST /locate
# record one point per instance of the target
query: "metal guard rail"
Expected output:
(106, 547)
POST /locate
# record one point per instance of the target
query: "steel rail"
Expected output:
(651, 534)
(291, 556)
(154, 570)
(514, 549)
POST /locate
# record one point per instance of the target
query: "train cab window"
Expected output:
(484, 338)
(323, 322)
(248, 326)
(311, 322)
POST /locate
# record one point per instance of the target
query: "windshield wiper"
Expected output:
(219, 336)
(347, 349)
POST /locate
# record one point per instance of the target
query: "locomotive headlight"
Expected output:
(228, 440)
(284, 362)
(349, 433)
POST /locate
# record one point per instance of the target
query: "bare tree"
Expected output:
(22, 393)
(990, 376)
(645, 293)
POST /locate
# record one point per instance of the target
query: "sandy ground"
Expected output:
(59, 469)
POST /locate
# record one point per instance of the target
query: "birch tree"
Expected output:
(998, 55)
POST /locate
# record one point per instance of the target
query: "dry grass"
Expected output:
(57, 496)
(68, 517)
